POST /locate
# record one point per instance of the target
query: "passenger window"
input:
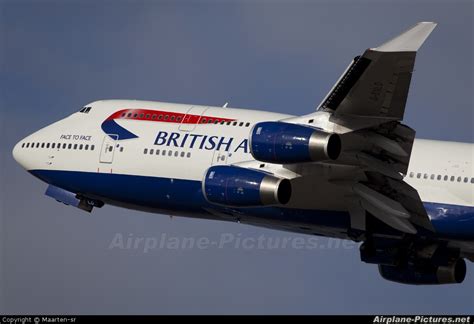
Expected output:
(178, 119)
(459, 179)
(157, 152)
(216, 121)
(432, 177)
(160, 117)
(222, 122)
(425, 176)
(147, 116)
(418, 175)
(188, 154)
(466, 179)
(86, 147)
(228, 123)
(452, 178)
(75, 146)
(121, 149)
(209, 121)
(92, 147)
(80, 146)
(152, 151)
(234, 123)
(141, 115)
(53, 145)
(153, 117)
(472, 180)
(163, 152)
(176, 153)
(170, 153)
(439, 177)
(203, 121)
(182, 154)
(37, 145)
(145, 151)
(129, 115)
(411, 174)
(166, 117)
(247, 124)
(23, 145)
(27, 145)
(123, 115)
(69, 146)
(445, 178)
(241, 124)
(42, 145)
(47, 145)
(172, 118)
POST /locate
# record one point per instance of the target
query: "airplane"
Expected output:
(350, 169)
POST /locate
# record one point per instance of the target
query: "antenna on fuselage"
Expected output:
(225, 105)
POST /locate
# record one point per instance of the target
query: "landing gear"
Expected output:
(87, 204)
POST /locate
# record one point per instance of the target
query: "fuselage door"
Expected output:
(192, 118)
(108, 148)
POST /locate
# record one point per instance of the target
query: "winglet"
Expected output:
(409, 41)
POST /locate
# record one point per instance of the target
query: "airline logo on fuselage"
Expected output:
(201, 142)
(113, 129)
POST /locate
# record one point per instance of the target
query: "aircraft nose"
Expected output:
(19, 155)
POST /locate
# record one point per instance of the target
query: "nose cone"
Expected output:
(19, 154)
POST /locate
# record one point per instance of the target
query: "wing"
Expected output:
(375, 85)
(366, 107)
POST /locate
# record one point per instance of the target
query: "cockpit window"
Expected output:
(85, 110)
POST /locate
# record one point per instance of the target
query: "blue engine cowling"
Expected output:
(279, 142)
(240, 187)
(454, 272)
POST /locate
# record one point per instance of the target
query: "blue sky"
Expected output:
(279, 56)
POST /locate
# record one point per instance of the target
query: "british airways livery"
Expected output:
(351, 169)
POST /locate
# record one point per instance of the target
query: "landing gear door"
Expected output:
(192, 118)
(108, 148)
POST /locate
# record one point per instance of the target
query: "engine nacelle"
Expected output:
(240, 187)
(431, 275)
(279, 142)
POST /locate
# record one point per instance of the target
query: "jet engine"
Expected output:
(454, 272)
(279, 142)
(240, 187)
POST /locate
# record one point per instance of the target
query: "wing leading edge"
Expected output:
(375, 85)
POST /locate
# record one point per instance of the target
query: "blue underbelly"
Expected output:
(185, 196)
(451, 220)
(177, 195)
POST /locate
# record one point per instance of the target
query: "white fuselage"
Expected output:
(186, 140)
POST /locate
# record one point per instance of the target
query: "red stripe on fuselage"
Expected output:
(166, 117)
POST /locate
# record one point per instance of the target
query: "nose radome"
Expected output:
(18, 155)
